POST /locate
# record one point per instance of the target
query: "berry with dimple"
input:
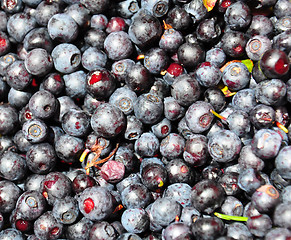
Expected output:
(236, 76)
(256, 46)
(66, 57)
(66, 210)
(198, 117)
(30, 205)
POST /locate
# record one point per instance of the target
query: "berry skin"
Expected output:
(283, 163)
(236, 76)
(118, 46)
(66, 57)
(224, 146)
(274, 63)
(96, 203)
(198, 117)
(207, 195)
(62, 27)
(8, 119)
(100, 84)
(108, 121)
(38, 62)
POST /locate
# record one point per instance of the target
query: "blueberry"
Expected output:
(43, 104)
(207, 75)
(62, 27)
(12, 166)
(102, 230)
(172, 146)
(79, 230)
(271, 92)
(76, 123)
(147, 145)
(17, 75)
(190, 55)
(93, 59)
(177, 230)
(100, 84)
(38, 38)
(19, 24)
(69, 148)
(66, 57)
(164, 211)
(38, 62)
(185, 90)
(51, 228)
(145, 30)
(8, 119)
(18, 99)
(45, 10)
(135, 220)
(96, 203)
(282, 163)
(75, 84)
(11, 233)
(148, 108)
(100, 120)
(215, 56)
(236, 76)
(9, 193)
(207, 195)
(54, 186)
(266, 143)
(118, 45)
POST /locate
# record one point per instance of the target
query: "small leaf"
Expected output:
(209, 4)
(249, 64)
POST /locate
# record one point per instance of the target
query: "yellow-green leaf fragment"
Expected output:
(249, 64)
(209, 4)
(231, 218)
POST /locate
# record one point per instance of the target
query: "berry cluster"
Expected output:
(145, 119)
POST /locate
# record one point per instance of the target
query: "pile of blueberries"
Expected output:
(145, 119)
